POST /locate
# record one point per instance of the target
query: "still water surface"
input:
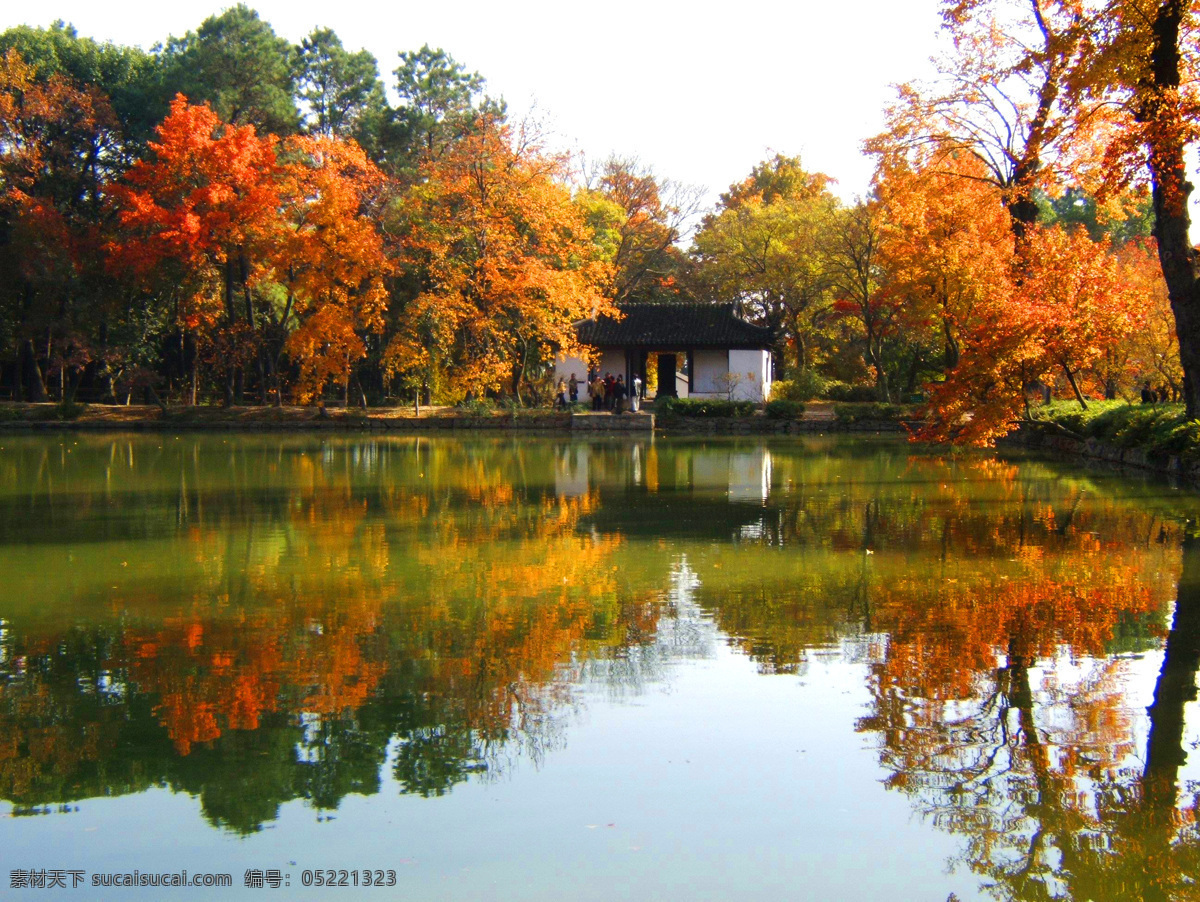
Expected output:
(543, 669)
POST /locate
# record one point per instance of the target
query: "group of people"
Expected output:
(607, 392)
(1152, 395)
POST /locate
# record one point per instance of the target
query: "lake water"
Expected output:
(536, 668)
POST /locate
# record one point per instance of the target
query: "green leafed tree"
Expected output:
(127, 76)
(440, 100)
(235, 62)
(763, 248)
(340, 91)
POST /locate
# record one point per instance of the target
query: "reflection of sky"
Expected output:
(716, 784)
(694, 779)
(675, 767)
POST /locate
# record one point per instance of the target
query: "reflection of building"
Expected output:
(659, 491)
(571, 471)
(712, 352)
(742, 475)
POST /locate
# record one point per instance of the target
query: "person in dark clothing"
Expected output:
(609, 384)
(1148, 396)
(619, 393)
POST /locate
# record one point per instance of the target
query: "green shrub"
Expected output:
(804, 386)
(1161, 429)
(875, 410)
(851, 394)
(784, 409)
(704, 407)
(477, 407)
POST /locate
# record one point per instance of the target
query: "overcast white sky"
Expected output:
(700, 92)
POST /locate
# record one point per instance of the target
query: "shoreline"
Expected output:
(44, 418)
(1093, 452)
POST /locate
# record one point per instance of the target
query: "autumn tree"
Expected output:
(330, 258)
(196, 216)
(1001, 98)
(1147, 61)
(945, 248)
(1070, 307)
(639, 218)
(1154, 349)
(506, 265)
(762, 248)
(58, 147)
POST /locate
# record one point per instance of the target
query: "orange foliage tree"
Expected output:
(198, 213)
(945, 247)
(1001, 98)
(331, 259)
(1153, 349)
(505, 262)
(1069, 307)
(58, 144)
(1146, 65)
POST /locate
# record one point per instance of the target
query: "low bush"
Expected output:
(1162, 429)
(784, 409)
(852, 394)
(24, 413)
(804, 386)
(477, 407)
(69, 410)
(875, 410)
(704, 407)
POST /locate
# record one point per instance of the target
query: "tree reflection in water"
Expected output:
(263, 620)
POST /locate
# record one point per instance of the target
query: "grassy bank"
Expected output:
(1158, 430)
(203, 416)
(672, 415)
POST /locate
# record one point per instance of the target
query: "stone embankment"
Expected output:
(103, 418)
(1094, 451)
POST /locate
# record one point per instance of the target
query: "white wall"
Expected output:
(612, 360)
(750, 475)
(571, 471)
(750, 369)
(742, 475)
(565, 366)
(710, 367)
(681, 383)
(754, 368)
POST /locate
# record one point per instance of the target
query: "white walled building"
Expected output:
(712, 352)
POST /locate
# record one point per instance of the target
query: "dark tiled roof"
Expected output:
(674, 327)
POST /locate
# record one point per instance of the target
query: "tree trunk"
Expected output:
(1166, 748)
(1166, 751)
(1158, 107)
(1075, 387)
(881, 380)
(32, 373)
(191, 365)
(273, 373)
(519, 370)
(950, 353)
